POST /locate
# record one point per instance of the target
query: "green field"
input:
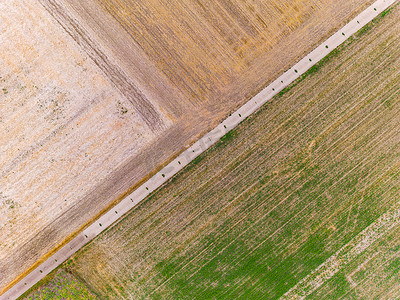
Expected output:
(301, 199)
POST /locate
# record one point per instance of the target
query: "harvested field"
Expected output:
(215, 53)
(300, 200)
(93, 101)
(63, 130)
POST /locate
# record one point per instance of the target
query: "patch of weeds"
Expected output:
(371, 24)
(7, 202)
(197, 160)
(229, 135)
(121, 109)
(60, 285)
(52, 107)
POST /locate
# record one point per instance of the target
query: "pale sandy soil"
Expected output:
(63, 129)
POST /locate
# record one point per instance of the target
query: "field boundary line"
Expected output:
(344, 255)
(209, 139)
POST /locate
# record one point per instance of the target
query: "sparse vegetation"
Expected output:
(62, 285)
(121, 108)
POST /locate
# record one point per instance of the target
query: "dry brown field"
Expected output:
(97, 95)
(215, 53)
(63, 130)
(301, 199)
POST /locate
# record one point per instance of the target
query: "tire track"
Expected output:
(116, 76)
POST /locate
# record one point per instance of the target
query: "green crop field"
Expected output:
(300, 200)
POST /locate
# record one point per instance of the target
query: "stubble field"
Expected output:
(214, 53)
(60, 123)
(300, 200)
(95, 98)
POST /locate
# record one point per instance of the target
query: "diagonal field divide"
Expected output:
(130, 201)
(344, 255)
